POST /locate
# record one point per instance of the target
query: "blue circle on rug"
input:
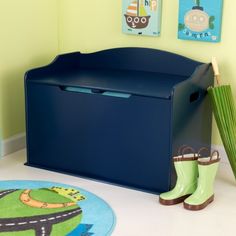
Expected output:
(49, 208)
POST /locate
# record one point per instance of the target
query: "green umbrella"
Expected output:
(225, 114)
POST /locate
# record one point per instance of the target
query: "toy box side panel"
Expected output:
(192, 113)
(120, 140)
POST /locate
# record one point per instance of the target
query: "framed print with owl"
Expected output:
(141, 17)
(200, 20)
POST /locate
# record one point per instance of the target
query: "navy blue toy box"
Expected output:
(117, 115)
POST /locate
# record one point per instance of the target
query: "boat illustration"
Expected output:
(136, 15)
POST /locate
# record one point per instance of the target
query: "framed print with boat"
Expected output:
(141, 17)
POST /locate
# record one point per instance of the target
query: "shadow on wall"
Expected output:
(12, 97)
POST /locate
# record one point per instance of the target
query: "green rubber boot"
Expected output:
(204, 193)
(187, 174)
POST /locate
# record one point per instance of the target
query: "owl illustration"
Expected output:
(198, 20)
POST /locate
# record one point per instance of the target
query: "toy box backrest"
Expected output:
(139, 59)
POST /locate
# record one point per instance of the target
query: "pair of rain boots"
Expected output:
(195, 179)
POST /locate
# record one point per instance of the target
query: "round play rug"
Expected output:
(39, 208)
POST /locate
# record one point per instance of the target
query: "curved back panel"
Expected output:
(139, 59)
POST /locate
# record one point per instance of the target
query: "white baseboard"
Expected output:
(13, 144)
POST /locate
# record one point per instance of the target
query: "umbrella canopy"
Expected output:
(225, 114)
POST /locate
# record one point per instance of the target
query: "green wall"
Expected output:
(33, 32)
(28, 38)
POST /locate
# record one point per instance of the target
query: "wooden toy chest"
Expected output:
(117, 115)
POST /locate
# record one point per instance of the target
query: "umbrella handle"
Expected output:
(216, 70)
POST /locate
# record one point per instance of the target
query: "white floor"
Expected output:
(139, 213)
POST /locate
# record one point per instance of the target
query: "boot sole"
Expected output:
(200, 206)
(173, 201)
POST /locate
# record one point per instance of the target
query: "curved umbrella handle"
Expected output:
(216, 70)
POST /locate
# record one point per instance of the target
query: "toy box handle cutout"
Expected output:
(194, 97)
(95, 91)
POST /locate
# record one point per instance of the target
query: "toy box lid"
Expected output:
(136, 71)
(131, 82)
